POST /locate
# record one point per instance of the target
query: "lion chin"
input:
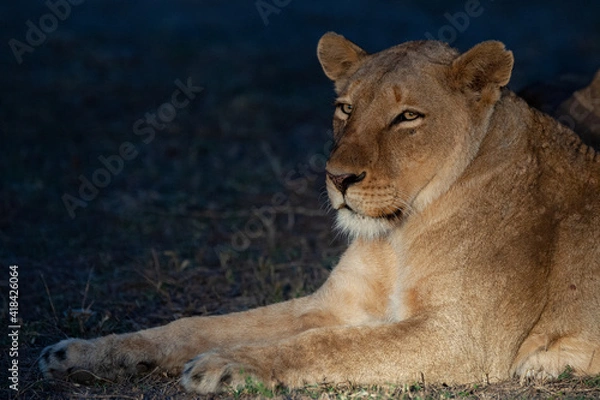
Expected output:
(360, 226)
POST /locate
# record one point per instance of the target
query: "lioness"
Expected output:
(475, 252)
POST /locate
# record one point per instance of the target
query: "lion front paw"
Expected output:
(67, 359)
(83, 361)
(213, 372)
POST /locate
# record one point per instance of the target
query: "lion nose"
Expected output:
(343, 181)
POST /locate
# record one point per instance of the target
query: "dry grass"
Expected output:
(158, 386)
(162, 286)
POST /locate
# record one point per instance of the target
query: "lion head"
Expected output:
(407, 122)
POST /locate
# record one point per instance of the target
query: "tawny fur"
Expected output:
(475, 252)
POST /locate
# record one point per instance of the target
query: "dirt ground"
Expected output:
(162, 159)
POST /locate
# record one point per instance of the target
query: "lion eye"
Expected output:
(346, 108)
(406, 116)
(409, 115)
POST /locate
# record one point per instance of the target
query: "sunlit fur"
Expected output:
(356, 225)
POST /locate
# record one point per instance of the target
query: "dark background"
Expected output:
(175, 229)
(77, 95)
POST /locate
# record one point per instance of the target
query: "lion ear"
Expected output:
(338, 56)
(488, 65)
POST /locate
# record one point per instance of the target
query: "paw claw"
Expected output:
(211, 373)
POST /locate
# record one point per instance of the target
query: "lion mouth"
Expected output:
(393, 216)
(358, 224)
